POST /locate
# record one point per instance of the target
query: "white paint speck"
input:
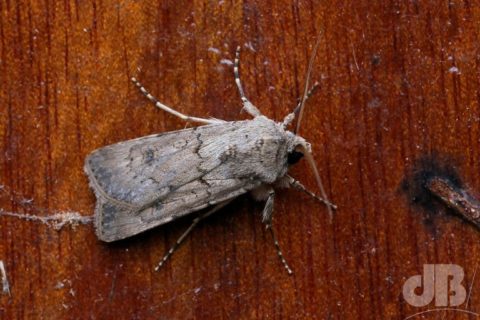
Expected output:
(214, 50)
(249, 46)
(3, 275)
(226, 62)
(454, 70)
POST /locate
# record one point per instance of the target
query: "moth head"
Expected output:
(301, 148)
(297, 152)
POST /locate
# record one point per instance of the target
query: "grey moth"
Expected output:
(150, 181)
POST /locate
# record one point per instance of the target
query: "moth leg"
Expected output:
(160, 105)
(309, 94)
(267, 219)
(247, 105)
(187, 232)
(289, 118)
(299, 186)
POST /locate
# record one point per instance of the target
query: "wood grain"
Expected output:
(399, 81)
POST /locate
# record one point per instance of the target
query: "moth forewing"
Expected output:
(146, 182)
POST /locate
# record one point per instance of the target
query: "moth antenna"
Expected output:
(307, 82)
(312, 164)
(310, 92)
(289, 118)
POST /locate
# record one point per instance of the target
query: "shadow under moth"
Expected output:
(150, 181)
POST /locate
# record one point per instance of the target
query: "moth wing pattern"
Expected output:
(114, 221)
(149, 181)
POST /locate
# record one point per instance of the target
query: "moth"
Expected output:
(150, 181)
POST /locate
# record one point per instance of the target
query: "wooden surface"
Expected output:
(399, 82)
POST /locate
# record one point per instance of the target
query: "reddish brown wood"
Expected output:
(399, 81)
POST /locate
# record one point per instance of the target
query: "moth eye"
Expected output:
(294, 156)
